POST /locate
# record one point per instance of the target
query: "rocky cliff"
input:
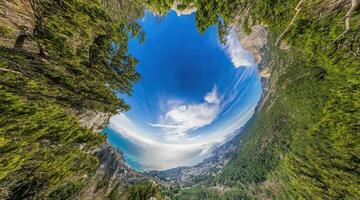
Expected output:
(112, 174)
(94, 120)
(257, 42)
(55, 98)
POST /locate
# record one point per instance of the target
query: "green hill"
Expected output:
(55, 65)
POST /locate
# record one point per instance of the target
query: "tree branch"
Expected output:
(282, 35)
(9, 70)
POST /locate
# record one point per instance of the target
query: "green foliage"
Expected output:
(269, 137)
(142, 190)
(138, 191)
(77, 35)
(5, 31)
(304, 143)
(201, 192)
(41, 147)
(305, 140)
(67, 190)
(159, 6)
(82, 61)
(208, 13)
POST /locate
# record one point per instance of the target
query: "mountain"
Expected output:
(56, 93)
(111, 175)
(303, 142)
(257, 43)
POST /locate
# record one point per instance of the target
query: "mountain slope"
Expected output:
(55, 74)
(56, 91)
(304, 142)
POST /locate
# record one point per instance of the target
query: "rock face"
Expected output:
(112, 174)
(17, 22)
(112, 165)
(255, 42)
(94, 120)
(186, 11)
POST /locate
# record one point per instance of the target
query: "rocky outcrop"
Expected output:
(17, 22)
(265, 73)
(112, 174)
(94, 120)
(255, 42)
(186, 11)
(113, 166)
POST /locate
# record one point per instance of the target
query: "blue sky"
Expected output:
(193, 95)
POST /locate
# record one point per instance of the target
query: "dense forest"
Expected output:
(60, 59)
(304, 143)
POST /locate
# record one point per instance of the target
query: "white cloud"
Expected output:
(168, 144)
(181, 119)
(212, 97)
(238, 55)
(160, 155)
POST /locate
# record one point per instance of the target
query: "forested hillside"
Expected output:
(62, 59)
(59, 60)
(305, 139)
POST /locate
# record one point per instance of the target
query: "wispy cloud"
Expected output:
(238, 55)
(186, 133)
(160, 155)
(181, 119)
